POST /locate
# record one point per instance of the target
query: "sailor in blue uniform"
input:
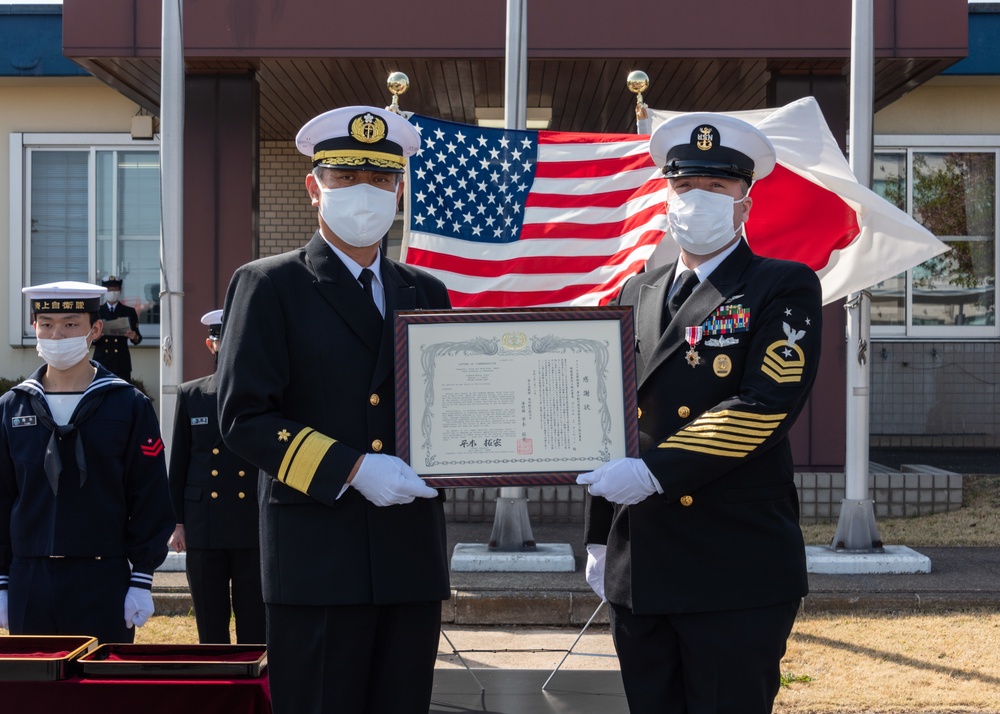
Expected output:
(85, 512)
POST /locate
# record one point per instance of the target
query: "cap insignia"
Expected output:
(368, 128)
(704, 138)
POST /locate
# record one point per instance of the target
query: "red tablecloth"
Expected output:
(143, 696)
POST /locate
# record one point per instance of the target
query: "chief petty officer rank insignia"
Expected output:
(784, 360)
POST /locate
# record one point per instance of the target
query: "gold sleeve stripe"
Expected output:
(726, 428)
(302, 458)
(727, 413)
(774, 365)
(752, 423)
(728, 433)
(293, 447)
(721, 436)
(782, 378)
(703, 450)
(711, 442)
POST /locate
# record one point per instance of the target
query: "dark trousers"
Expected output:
(69, 596)
(352, 659)
(214, 576)
(702, 663)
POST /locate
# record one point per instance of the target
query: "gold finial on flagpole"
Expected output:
(638, 82)
(398, 83)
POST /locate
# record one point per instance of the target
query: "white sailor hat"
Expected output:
(214, 321)
(64, 296)
(707, 144)
(359, 138)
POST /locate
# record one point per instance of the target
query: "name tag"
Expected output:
(23, 421)
(199, 421)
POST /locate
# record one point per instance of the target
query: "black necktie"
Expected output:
(366, 282)
(688, 282)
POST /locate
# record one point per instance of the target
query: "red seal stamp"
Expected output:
(525, 447)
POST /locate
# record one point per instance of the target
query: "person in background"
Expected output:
(112, 351)
(696, 544)
(215, 498)
(352, 540)
(85, 512)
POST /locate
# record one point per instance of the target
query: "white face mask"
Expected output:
(360, 215)
(701, 221)
(64, 353)
(113, 295)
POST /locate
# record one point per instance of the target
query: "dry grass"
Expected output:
(886, 663)
(878, 663)
(977, 523)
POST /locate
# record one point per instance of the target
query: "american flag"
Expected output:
(509, 218)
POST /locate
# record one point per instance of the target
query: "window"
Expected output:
(952, 191)
(84, 207)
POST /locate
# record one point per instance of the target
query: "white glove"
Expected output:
(389, 481)
(624, 481)
(595, 568)
(4, 616)
(138, 607)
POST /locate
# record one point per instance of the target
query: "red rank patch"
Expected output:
(152, 448)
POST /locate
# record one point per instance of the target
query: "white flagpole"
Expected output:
(856, 529)
(171, 210)
(511, 524)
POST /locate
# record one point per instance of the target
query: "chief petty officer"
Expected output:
(705, 562)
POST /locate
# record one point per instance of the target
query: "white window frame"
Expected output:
(19, 329)
(909, 143)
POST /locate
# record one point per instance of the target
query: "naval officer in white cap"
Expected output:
(696, 544)
(84, 509)
(352, 540)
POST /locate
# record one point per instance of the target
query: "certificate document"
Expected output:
(514, 397)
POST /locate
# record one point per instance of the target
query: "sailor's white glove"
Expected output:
(138, 607)
(595, 568)
(4, 615)
(389, 481)
(624, 481)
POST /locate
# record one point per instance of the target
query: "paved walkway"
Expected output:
(960, 578)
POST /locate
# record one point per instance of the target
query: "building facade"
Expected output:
(257, 70)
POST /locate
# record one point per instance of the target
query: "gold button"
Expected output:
(215, 451)
(374, 400)
(215, 494)
(214, 472)
(377, 445)
(242, 495)
(639, 415)
(683, 412)
(243, 473)
(686, 500)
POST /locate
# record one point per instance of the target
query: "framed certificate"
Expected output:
(514, 397)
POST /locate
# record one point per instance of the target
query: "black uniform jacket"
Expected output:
(112, 352)
(120, 509)
(214, 491)
(725, 533)
(306, 385)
